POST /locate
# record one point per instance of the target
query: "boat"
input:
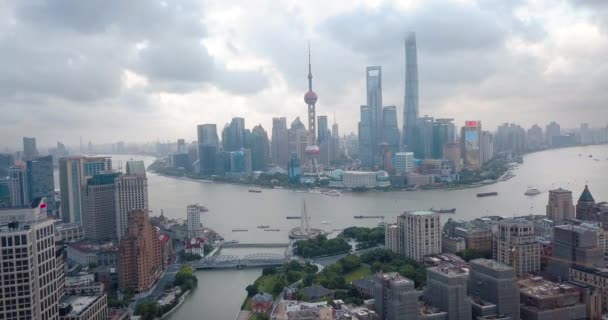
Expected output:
(369, 217)
(325, 222)
(333, 193)
(231, 241)
(532, 192)
(452, 210)
(255, 191)
(239, 230)
(272, 229)
(486, 194)
(294, 217)
(590, 156)
(263, 226)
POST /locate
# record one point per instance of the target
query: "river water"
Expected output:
(221, 292)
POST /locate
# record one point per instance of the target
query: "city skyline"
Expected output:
(164, 98)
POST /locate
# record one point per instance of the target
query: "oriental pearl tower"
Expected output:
(312, 150)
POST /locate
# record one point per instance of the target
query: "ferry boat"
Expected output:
(325, 222)
(255, 191)
(532, 192)
(263, 226)
(452, 210)
(486, 194)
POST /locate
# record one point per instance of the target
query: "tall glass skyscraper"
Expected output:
(373, 76)
(208, 145)
(390, 128)
(40, 180)
(366, 150)
(410, 110)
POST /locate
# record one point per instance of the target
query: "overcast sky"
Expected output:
(141, 70)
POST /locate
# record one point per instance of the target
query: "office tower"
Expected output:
(451, 152)
(534, 137)
(390, 128)
(515, 245)
(410, 110)
(586, 136)
(366, 149)
(294, 170)
(99, 207)
(323, 129)
(443, 133)
(573, 245)
(18, 189)
(298, 138)
(492, 283)
(131, 193)
(194, 211)
(510, 139)
(311, 99)
(29, 149)
(423, 136)
(560, 205)
(446, 289)
(334, 145)
(404, 163)
(469, 145)
(552, 130)
(181, 146)
(280, 142)
(208, 144)
(486, 147)
(233, 135)
(395, 297)
(6, 161)
(40, 181)
(420, 234)
(139, 254)
(260, 149)
(373, 77)
(32, 275)
(585, 207)
(222, 163)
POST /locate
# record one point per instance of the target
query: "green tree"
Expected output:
(308, 280)
(252, 290)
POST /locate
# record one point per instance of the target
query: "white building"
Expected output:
(84, 308)
(404, 163)
(195, 229)
(32, 276)
(515, 245)
(419, 234)
(131, 194)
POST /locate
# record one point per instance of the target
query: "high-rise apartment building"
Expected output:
(534, 138)
(40, 181)
(208, 146)
(139, 254)
(573, 245)
(366, 148)
(446, 289)
(470, 145)
(32, 274)
(486, 147)
(181, 146)
(511, 139)
(404, 163)
(515, 244)
(131, 193)
(560, 205)
(18, 188)
(493, 290)
(390, 128)
(280, 143)
(29, 149)
(195, 229)
(99, 207)
(73, 174)
(419, 234)
(395, 297)
(552, 130)
(410, 110)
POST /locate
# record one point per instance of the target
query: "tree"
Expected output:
(308, 280)
(292, 276)
(252, 290)
(269, 271)
(277, 288)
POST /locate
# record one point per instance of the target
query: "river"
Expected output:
(220, 293)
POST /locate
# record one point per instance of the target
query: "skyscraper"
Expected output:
(311, 99)
(373, 80)
(510, 138)
(395, 297)
(410, 110)
(181, 146)
(446, 289)
(390, 128)
(6, 160)
(552, 130)
(560, 205)
(571, 246)
(40, 181)
(131, 194)
(486, 147)
(29, 149)
(423, 135)
(493, 282)
(298, 138)
(208, 144)
(470, 145)
(404, 163)
(260, 153)
(18, 188)
(366, 149)
(99, 207)
(139, 254)
(233, 135)
(419, 234)
(195, 229)
(323, 133)
(73, 174)
(515, 245)
(443, 133)
(534, 137)
(280, 143)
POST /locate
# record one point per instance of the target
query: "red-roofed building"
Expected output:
(166, 246)
(195, 246)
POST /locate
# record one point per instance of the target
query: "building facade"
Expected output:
(131, 193)
(560, 205)
(419, 234)
(18, 188)
(99, 207)
(470, 145)
(446, 289)
(410, 110)
(280, 144)
(395, 297)
(515, 245)
(195, 229)
(40, 180)
(492, 284)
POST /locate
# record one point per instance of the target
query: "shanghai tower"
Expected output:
(410, 110)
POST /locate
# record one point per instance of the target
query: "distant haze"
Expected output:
(111, 70)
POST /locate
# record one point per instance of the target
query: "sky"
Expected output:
(144, 70)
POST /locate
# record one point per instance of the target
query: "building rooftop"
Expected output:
(78, 303)
(421, 213)
(491, 264)
(94, 247)
(451, 270)
(586, 196)
(560, 190)
(539, 287)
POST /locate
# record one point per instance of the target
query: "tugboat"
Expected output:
(263, 226)
(532, 192)
(486, 194)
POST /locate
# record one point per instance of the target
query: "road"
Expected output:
(326, 261)
(158, 290)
